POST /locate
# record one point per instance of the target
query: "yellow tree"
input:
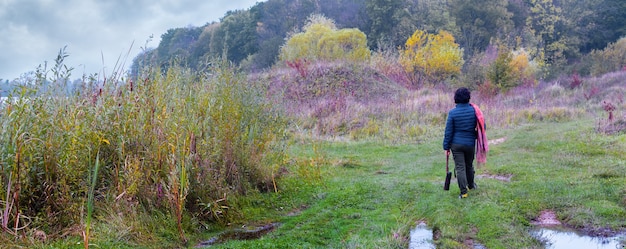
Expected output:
(321, 40)
(349, 44)
(523, 69)
(431, 57)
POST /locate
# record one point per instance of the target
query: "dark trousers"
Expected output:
(463, 164)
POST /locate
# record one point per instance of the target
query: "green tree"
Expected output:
(430, 57)
(610, 59)
(383, 18)
(479, 21)
(145, 59)
(235, 37)
(174, 45)
(596, 22)
(274, 20)
(434, 15)
(547, 23)
(201, 52)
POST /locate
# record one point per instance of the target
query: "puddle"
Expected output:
(551, 231)
(421, 237)
(239, 234)
(478, 246)
(567, 239)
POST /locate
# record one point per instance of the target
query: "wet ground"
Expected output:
(247, 233)
(546, 218)
(421, 237)
(561, 238)
(548, 229)
(554, 235)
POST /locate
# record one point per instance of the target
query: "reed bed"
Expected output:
(181, 143)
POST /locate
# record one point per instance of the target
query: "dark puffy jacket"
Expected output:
(460, 126)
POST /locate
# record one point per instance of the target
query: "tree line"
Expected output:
(558, 33)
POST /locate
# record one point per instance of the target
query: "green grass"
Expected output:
(373, 193)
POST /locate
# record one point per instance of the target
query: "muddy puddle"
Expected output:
(548, 229)
(561, 238)
(554, 235)
(421, 237)
(247, 233)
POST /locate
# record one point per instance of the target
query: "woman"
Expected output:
(460, 139)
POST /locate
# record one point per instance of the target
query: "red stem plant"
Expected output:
(609, 108)
(300, 65)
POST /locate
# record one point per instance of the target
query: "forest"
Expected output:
(562, 35)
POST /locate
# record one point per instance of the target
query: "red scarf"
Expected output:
(482, 145)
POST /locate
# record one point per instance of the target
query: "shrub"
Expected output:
(500, 73)
(575, 81)
(488, 90)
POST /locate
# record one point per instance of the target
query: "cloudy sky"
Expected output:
(33, 31)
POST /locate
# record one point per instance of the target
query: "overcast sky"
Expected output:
(33, 31)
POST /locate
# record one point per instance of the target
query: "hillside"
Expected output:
(253, 37)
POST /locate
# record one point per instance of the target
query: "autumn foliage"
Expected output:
(321, 40)
(431, 57)
(511, 69)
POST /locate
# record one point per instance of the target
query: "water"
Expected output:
(421, 237)
(564, 239)
(248, 233)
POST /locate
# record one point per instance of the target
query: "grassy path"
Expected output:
(372, 193)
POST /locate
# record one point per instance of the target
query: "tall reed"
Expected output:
(180, 142)
(90, 200)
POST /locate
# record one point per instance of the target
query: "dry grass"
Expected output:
(373, 105)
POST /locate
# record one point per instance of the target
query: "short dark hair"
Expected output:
(462, 95)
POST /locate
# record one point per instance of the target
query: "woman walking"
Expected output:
(462, 130)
